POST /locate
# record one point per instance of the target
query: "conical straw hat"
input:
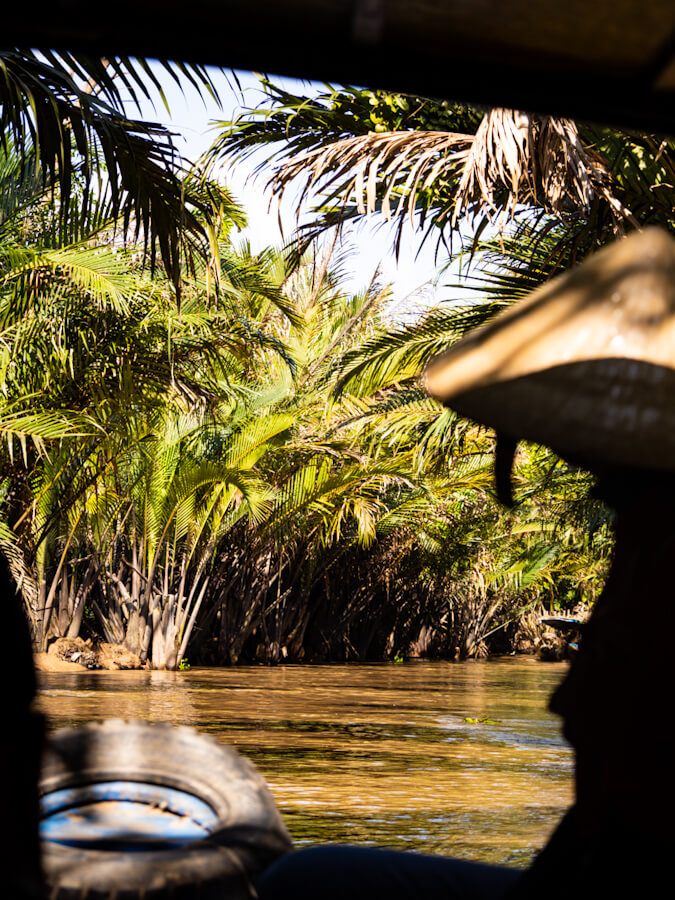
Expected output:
(585, 365)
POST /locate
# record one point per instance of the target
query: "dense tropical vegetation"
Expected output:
(223, 455)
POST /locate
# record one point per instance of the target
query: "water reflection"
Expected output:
(461, 759)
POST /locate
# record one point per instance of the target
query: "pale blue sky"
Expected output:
(191, 118)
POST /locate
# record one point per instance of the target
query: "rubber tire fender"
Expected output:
(249, 835)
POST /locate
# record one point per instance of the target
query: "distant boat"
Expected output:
(562, 623)
(570, 628)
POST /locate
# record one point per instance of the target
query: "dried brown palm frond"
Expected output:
(536, 161)
(378, 168)
(572, 175)
(513, 160)
(502, 157)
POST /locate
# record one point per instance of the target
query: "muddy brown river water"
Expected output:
(462, 759)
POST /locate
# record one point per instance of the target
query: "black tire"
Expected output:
(249, 835)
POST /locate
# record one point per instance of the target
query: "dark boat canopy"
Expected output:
(611, 61)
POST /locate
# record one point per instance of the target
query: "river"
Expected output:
(455, 758)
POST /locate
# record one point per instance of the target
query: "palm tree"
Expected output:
(383, 534)
(93, 355)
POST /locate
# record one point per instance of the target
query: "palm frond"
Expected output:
(393, 358)
(80, 134)
(378, 169)
(103, 275)
(512, 160)
(251, 440)
(39, 427)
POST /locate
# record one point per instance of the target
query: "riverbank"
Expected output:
(527, 637)
(76, 654)
(43, 662)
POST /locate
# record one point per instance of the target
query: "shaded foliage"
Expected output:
(67, 111)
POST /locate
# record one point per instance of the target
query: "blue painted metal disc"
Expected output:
(124, 815)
